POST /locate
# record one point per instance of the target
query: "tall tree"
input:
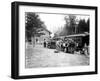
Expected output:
(88, 25)
(33, 25)
(70, 24)
(69, 27)
(83, 26)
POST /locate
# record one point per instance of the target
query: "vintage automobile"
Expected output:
(51, 44)
(75, 42)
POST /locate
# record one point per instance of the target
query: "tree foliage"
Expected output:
(83, 26)
(33, 25)
(69, 27)
(73, 26)
(70, 24)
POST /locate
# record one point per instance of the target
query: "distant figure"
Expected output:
(58, 45)
(36, 40)
(85, 49)
(44, 43)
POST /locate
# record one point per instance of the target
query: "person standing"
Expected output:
(44, 43)
(58, 45)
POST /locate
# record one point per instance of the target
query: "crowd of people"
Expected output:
(68, 46)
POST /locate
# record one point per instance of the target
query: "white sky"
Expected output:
(55, 21)
(52, 21)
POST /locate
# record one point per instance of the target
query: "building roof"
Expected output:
(74, 35)
(78, 35)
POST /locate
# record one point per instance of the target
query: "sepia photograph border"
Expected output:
(15, 38)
